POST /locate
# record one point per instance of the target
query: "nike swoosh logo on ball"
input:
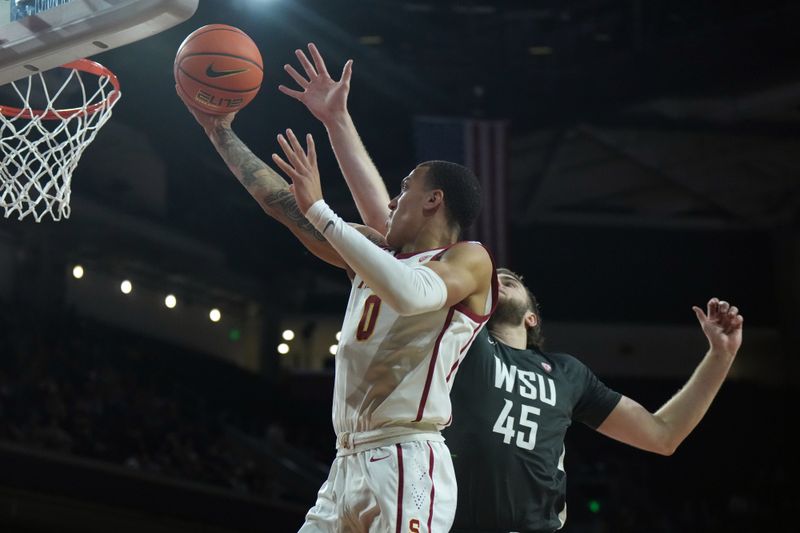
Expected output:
(211, 73)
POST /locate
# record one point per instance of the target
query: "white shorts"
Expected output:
(401, 488)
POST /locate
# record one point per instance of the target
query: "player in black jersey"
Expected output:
(512, 405)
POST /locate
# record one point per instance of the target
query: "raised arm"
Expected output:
(663, 431)
(266, 186)
(463, 274)
(326, 99)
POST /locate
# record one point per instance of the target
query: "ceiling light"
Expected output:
(126, 287)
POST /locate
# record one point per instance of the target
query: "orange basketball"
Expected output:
(219, 68)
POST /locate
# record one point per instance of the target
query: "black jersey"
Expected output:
(511, 411)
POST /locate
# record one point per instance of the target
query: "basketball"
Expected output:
(219, 69)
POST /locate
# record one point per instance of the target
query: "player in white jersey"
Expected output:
(395, 372)
(418, 301)
(391, 398)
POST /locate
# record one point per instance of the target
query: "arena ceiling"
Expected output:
(679, 117)
(691, 110)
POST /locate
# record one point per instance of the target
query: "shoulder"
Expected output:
(564, 359)
(567, 363)
(469, 253)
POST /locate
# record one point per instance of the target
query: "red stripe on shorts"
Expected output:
(433, 487)
(399, 488)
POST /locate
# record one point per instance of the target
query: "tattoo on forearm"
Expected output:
(284, 201)
(250, 170)
(266, 186)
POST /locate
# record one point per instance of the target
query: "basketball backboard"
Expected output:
(75, 29)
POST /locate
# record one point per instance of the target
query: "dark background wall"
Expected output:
(654, 162)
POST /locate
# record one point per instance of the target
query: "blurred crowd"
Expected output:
(70, 388)
(86, 390)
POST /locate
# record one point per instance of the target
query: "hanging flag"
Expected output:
(480, 145)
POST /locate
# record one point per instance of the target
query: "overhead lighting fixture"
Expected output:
(170, 301)
(77, 272)
(371, 40)
(287, 335)
(283, 348)
(215, 315)
(333, 349)
(126, 287)
(540, 50)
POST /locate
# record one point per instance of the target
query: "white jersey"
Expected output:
(394, 371)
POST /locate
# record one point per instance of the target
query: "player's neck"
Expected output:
(510, 335)
(430, 237)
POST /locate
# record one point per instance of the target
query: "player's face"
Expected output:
(406, 210)
(512, 301)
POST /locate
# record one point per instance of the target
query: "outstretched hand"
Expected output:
(301, 167)
(321, 94)
(208, 121)
(722, 326)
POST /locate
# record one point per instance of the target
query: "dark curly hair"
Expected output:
(462, 190)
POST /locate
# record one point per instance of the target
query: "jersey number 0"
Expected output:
(369, 317)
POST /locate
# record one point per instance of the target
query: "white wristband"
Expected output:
(408, 290)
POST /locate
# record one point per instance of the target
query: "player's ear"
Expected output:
(530, 320)
(435, 198)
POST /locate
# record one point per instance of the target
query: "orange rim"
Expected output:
(83, 65)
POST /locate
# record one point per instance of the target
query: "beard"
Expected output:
(507, 313)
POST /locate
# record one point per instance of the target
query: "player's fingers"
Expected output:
(347, 72)
(319, 63)
(296, 76)
(297, 95)
(307, 66)
(312, 150)
(713, 306)
(701, 316)
(734, 324)
(298, 149)
(287, 168)
(733, 311)
(288, 151)
(724, 306)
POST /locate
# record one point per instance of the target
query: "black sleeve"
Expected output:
(596, 400)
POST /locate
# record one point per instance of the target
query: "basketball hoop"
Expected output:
(42, 140)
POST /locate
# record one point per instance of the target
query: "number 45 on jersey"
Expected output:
(526, 434)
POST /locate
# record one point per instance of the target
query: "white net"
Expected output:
(42, 139)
